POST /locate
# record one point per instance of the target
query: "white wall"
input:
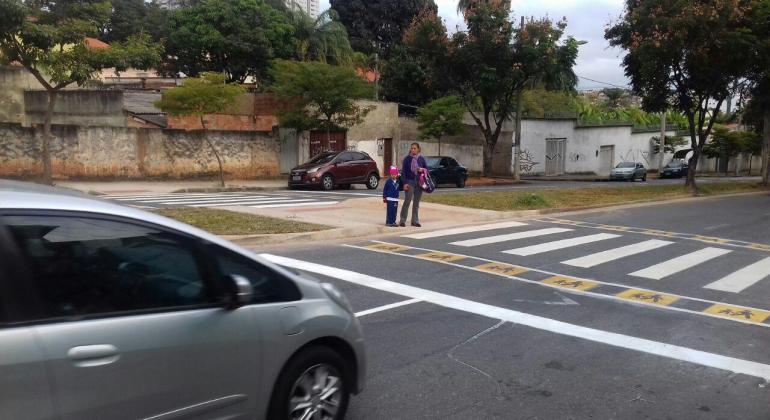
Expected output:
(533, 135)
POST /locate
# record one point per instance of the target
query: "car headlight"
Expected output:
(314, 170)
(337, 296)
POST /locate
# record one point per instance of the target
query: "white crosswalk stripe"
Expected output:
(617, 253)
(223, 199)
(743, 278)
(675, 265)
(564, 243)
(467, 229)
(510, 237)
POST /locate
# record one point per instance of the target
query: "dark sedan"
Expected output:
(674, 169)
(446, 170)
(330, 169)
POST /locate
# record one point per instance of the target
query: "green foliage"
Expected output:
(322, 96)
(671, 145)
(441, 117)
(531, 200)
(726, 143)
(616, 97)
(541, 103)
(207, 94)
(237, 37)
(324, 38)
(416, 71)
(378, 25)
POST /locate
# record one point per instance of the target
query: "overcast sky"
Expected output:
(586, 20)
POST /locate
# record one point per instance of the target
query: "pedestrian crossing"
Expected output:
(221, 199)
(613, 248)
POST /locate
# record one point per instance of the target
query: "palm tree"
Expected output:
(322, 39)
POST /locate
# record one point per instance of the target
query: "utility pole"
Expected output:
(517, 132)
(662, 149)
(377, 73)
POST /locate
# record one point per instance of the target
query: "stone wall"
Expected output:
(117, 152)
(77, 107)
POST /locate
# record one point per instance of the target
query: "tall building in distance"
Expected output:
(308, 6)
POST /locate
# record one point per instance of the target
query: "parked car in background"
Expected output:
(675, 169)
(446, 170)
(336, 169)
(110, 312)
(628, 171)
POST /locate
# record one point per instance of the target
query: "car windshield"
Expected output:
(433, 162)
(323, 158)
(626, 165)
(674, 165)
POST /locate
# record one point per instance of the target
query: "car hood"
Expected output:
(307, 165)
(622, 170)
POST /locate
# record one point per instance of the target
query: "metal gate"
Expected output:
(289, 145)
(606, 159)
(321, 142)
(555, 149)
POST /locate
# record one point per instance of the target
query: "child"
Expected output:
(390, 197)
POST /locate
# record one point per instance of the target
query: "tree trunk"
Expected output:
(439, 145)
(693, 164)
(46, 152)
(489, 149)
(216, 154)
(766, 147)
(517, 139)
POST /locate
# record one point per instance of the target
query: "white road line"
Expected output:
(202, 199)
(617, 253)
(169, 196)
(510, 237)
(467, 229)
(670, 351)
(336, 193)
(675, 265)
(742, 278)
(564, 243)
(249, 202)
(386, 307)
(316, 203)
(218, 200)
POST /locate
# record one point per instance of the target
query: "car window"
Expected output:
(452, 162)
(432, 162)
(322, 158)
(445, 162)
(85, 266)
(359, 156)
(269, 286)
(344, 157)
(625, 165)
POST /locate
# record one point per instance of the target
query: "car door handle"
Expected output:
(93, 355)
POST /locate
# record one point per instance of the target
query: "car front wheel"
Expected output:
(372, 182)
(327, 182)
(461, 182)
(314, 385)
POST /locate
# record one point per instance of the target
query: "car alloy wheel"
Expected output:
(327, 182)
(372, 182)
(316, 394)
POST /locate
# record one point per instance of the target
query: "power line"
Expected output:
(604, 83)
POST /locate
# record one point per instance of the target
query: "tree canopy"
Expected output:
(323, 39)
(322, 96)
(237, 37)
(439, 118)
(378, 25)
(687, 55)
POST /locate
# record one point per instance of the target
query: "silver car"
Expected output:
(109, 312)
(628, 171)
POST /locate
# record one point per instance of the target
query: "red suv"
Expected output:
(330, 169)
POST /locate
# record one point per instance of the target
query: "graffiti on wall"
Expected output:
(636, 155)
(577, 157)
(526, 161)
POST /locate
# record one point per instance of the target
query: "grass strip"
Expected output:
(582, 197)
(224, 222)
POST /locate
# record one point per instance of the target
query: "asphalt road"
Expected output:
(316, 198)
(652, 312)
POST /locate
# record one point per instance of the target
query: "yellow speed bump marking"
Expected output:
(738, 312)
(500, 268)
(570, 283)
(710, 239)
(440, 256)
(653, 298)
(387, 247)
(761, 247)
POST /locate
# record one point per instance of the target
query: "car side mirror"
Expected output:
(239, 291)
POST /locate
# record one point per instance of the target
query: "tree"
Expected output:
(48, 39)
(128, 18)
(376, 26)
(490, 69)
(321, 96)
(207, 94)
(415, 72)
(760, 81)
(724, 144)
(442, 117)
(670, 145)
(686, 55)
(323, 39)
(616, 97)
(237, 37)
